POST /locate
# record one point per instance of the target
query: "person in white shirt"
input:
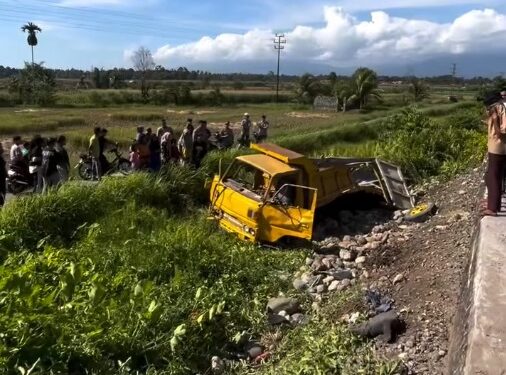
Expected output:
(16, 153)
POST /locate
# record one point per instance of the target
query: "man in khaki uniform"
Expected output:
(496, 125)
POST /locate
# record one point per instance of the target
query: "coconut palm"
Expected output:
(419, 89)
(343, 92)
(32, 30)
(308, 87)
(365, 86)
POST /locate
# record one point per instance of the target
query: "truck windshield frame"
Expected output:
(247, 180)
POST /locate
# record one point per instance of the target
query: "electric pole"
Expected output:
(279, 40)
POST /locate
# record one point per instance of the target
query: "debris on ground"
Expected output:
(386, 326)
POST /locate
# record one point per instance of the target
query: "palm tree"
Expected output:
(343, 92)
(419, 90)
(365, 85)
(32, 29)
(308, 87)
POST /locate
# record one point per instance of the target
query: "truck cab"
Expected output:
(274, 194)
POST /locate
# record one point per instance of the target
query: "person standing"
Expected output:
(3, 176)
(496, 125)
(244, 137)
(139, 138)
(226, 137)
(50, 175)
(63, 160)
(94, 151)
(201, 137)
(185, 143)
(35, 161)
(155, 161)
(262, 126)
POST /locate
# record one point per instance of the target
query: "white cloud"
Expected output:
(344, 41)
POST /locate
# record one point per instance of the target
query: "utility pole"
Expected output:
(454, 75)
(279, 40)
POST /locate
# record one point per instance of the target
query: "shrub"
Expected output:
(424, 147)
(35, 85)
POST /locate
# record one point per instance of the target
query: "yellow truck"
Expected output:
(274, 193)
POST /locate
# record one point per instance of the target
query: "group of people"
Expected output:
(42, 162)
(152, 150)
(50, 162)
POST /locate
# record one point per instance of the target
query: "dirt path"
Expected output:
(431, 261)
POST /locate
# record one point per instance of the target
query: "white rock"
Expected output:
(321, 289)
(397, 279)
(403, 356)
(334, 285)
(328, 280)
(360, 260)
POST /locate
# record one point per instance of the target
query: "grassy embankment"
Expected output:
(129, 276)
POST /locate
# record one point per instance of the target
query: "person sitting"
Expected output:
(16, 154)
(226, 137)
(18, 160)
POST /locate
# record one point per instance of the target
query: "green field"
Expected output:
(129, 277)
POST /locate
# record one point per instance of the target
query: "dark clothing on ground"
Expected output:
(494, 180)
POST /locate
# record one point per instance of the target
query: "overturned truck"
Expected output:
(274, 194)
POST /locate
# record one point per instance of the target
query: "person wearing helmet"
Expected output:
(244, 137)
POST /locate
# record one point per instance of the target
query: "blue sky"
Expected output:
(231, 35)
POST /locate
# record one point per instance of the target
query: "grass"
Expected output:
(125, 279)
(128, 276)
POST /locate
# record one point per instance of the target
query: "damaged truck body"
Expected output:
(274, 194)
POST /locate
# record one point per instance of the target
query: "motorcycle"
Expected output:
(18, 180)
(87, 168)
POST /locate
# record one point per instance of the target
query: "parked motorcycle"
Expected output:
(87, 169)
(18, 180)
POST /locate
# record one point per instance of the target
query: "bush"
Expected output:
(35, 85)
(424, 147)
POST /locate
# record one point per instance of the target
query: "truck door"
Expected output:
(286, 215)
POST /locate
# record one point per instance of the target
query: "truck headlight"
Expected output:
(248, 230)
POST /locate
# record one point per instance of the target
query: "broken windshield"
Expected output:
(247, 179)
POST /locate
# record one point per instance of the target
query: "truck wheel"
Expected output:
(421, 212)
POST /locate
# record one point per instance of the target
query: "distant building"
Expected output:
(325, 103)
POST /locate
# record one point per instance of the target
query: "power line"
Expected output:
(279, 40)
(99, 24)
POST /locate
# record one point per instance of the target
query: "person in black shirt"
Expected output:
(35, 160)
(3, 176)
(63, 161)
(50, 175)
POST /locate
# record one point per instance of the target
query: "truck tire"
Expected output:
(420, 212)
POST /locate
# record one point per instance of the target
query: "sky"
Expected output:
(422, 37)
